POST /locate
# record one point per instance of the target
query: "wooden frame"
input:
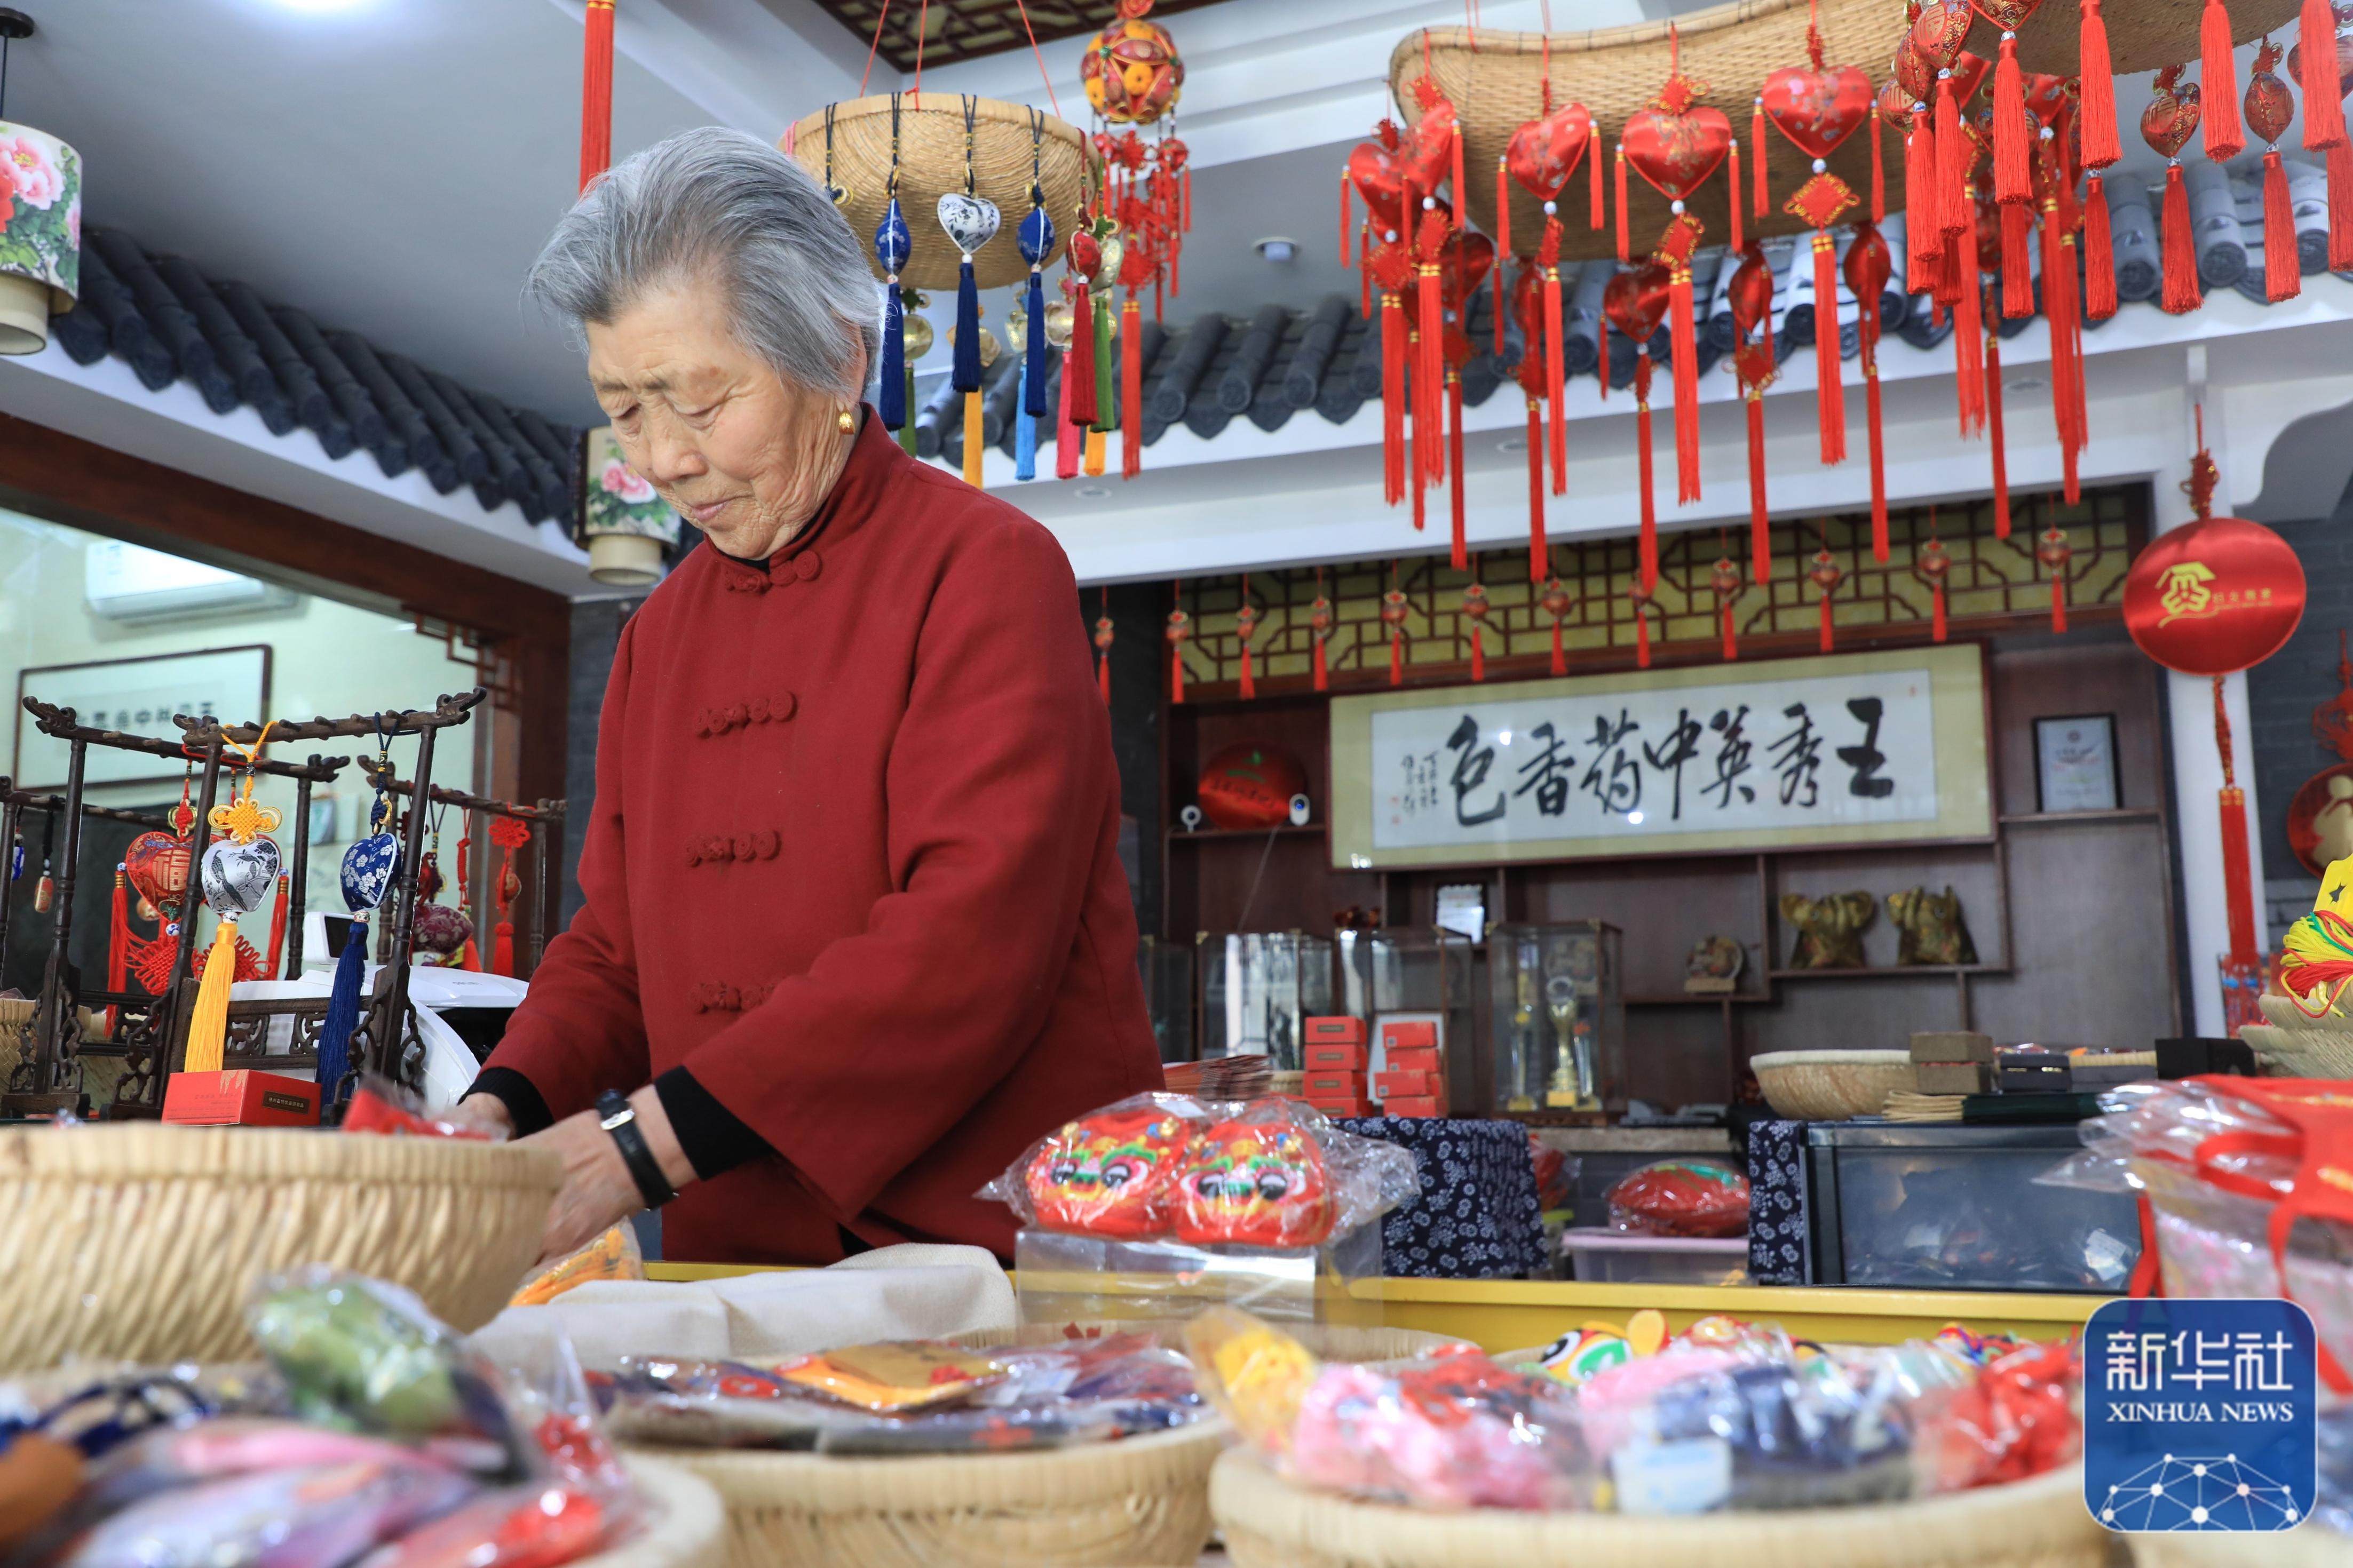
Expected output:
(1958, 724)
(17, 753)
(2107, 722)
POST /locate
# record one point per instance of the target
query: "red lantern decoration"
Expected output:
(1245, 628)
(1725, 578)
(1477, 608)
(1319, 626)
(1817, 109)
(1247, 785)
(1543, 153)
(1180, 627)
(1634, 303)
(1556, 603)
(1826, 576)
(1393, 606)
(2215, 597)
(1932, 565)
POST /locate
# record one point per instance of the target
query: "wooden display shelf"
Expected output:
(1892, 972)
(1250, 835)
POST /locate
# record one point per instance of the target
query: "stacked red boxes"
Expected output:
(1412, 1082)
(1334, 1052)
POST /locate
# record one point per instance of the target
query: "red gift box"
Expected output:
(1344, 1031)
(1415, 1059)
(1340, 1085)
(1394, 1085)
(1346, 1056)
(241, 1098)
(1408, 1032)
(1419, 1106)
(1335, 1106)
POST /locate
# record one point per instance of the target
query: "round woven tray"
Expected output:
(1497, 86)
(140, 1242)
(1269, 1523)
(683, 1524)
(2306, 1546)
(2143, 34)
(1831, 1086)
(931, 165)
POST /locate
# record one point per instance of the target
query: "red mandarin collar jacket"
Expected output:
(853, 867)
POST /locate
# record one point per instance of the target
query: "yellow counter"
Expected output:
(1512, 1314)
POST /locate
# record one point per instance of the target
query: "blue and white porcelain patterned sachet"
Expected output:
(369, 867)
(236, 877)
(970, 221)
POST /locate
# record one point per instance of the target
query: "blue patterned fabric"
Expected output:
(1477, 1216)
(1776, 1202)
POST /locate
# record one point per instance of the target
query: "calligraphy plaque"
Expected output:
(1865, 748)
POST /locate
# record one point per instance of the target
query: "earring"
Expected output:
(847, 421)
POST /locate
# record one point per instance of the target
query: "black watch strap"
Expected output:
(615, 1115)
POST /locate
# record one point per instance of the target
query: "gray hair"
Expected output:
(719, 204)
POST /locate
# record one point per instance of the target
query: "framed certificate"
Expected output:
(2075, 766)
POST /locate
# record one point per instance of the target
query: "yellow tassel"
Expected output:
(208, 1024)
(972, 439)
(1094, 463)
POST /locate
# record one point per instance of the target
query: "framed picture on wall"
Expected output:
(137, 697)
(2075, 766)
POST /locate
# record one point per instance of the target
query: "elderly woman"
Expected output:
(854, 929)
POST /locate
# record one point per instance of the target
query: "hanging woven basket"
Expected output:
(932, 164)
(2143, 34)
(1496, 80)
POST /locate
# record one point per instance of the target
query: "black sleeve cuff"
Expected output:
(519, 1095)
(713, 1141)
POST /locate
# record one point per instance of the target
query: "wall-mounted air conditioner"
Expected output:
(125, 583)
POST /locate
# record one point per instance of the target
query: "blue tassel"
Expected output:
(966, 377)
(894, 389)
(1025, 446)
(343, 1014)
(1033, 382)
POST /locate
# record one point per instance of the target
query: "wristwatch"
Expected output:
(617, 1116)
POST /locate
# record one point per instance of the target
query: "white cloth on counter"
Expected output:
(913, 1291)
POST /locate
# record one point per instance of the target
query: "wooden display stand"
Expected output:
(542, 819)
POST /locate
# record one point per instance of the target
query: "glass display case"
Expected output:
(1258, 989)
(1559, 1012)
(1424, 970)
(1167, 970)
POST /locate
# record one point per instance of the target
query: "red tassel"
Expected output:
(2097, 115)
(117, 935)
(1731, 643)
(2016, 267)
(1454, 476)
(1968, 343)
(1176, 673)
(2340, 205)
(502, 958)
(1103, 676)
(1601, 373)
(1761, 199)
(1250, 685)
(1649, 535)
(2238, 877)
(1878, 171)
(1345, 184)
(1429, 366)
(1641, 638)
(1559, 654)
(1396, 657)
(1994, 435)
(1830, 396)
(1871, 428)
(1828, 643)
(596, 93)
(2067, 348)
(1622, 251)
(1131, 389)
(2059, 601)
(1478, 654)
(2218, 84)
(1539, 555)
(1503, 213)
(1760, 526)
(2012, 179)
(1393, 349)
(1365, 283)
(2099, 254)
(1683, 339)
(1461, 185)
(2324, 105)
(2181, 293)
(1068, 437)
(1323, 669)
(278, 928)
(1924, 234)
(1733, 206)
(1936, 615)
(1953, 157)
(1079, 374)
(1557, 370)
(2283, 279)
(1593, 172)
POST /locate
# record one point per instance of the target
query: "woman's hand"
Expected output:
(598, 1192)
(483, 1113)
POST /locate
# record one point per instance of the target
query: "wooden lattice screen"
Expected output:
(1995, 583)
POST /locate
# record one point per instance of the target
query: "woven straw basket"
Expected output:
(2306, 1546)
(1496, 84)
(683, 1526)
(931, 165)
(2143, 34)
(1269, 1523)
(1831, 1086)
(139, 1242)
(1139, 1502)
(2302, 1053)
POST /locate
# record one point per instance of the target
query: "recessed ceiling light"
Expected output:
(1094, 492)
(1277, 248)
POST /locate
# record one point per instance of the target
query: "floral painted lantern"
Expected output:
(40, 235)
(625, 524)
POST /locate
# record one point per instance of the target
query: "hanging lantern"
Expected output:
(1725, 578)
(1393, 606)
(1476, 608)
(1133, 76)
(1556, 604)
(2214, 598)
(2167, 123)
(1540, 158)
(2270, 107)
(1827, 577)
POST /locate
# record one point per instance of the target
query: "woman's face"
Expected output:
(739, 452)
